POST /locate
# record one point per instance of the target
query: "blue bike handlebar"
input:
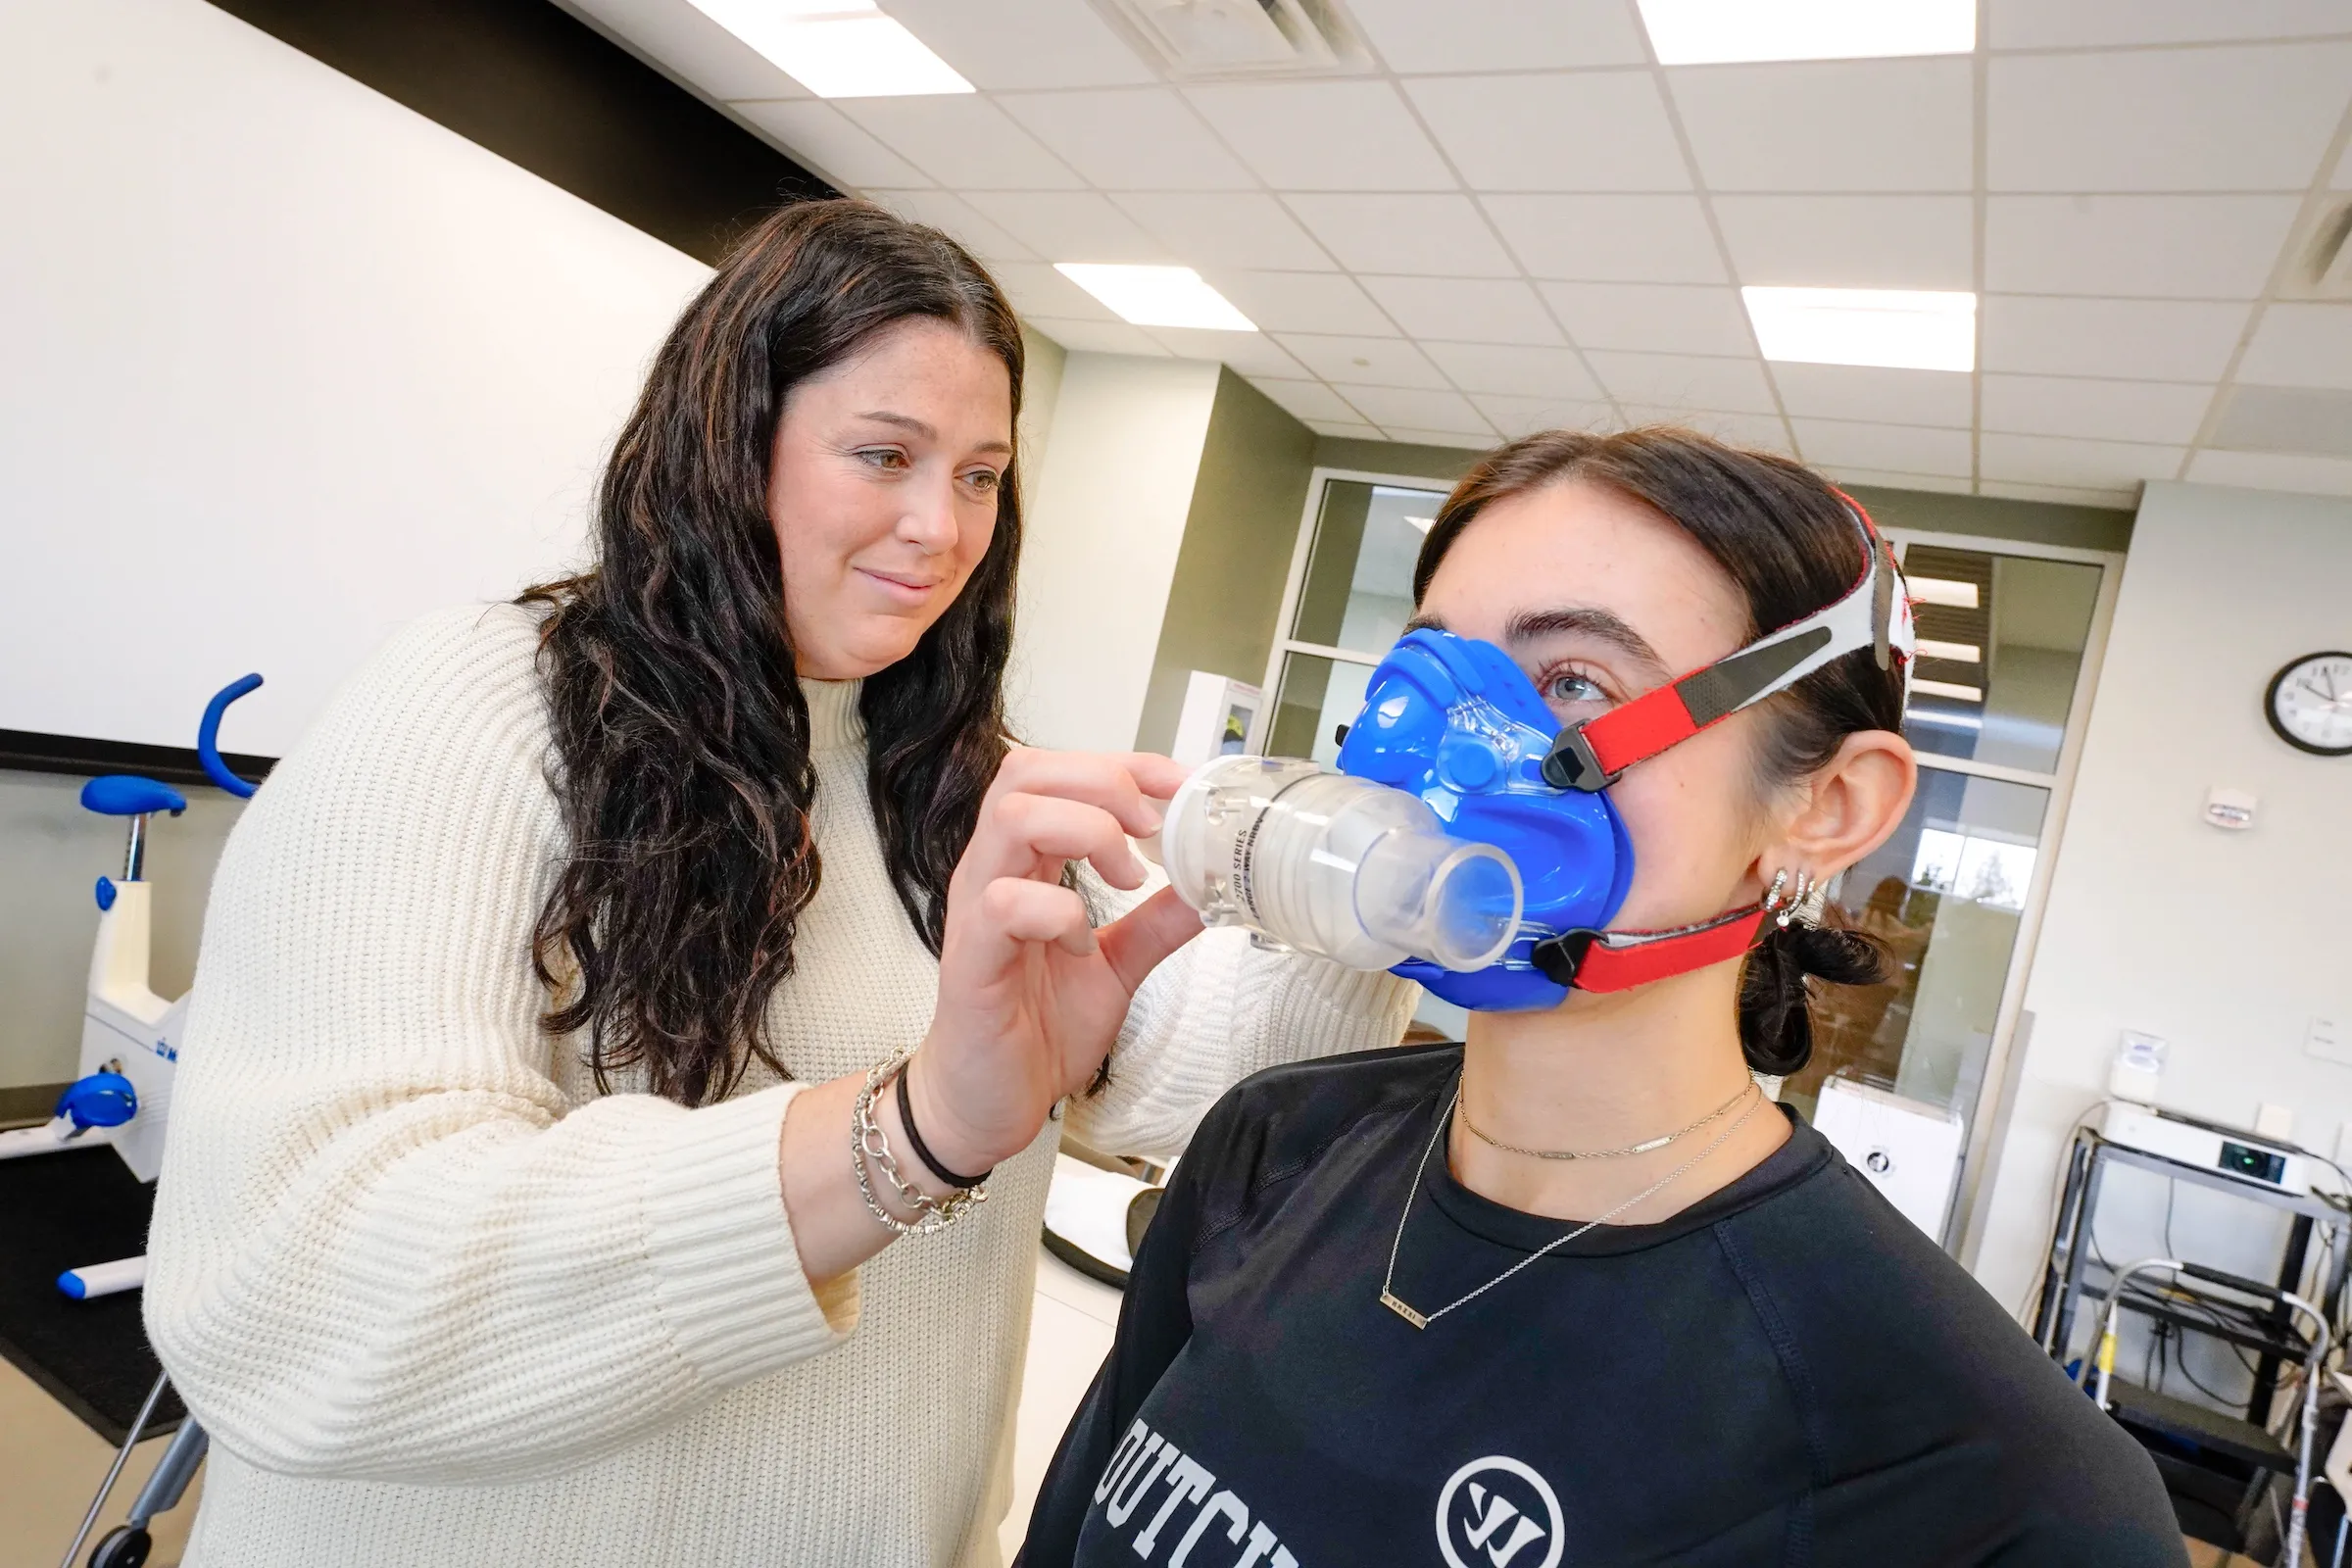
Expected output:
(207, 737)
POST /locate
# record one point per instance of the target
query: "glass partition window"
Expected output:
(1945, 897)
(1358, 588)
(2000, 649)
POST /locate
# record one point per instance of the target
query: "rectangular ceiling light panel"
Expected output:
(1953, 653)
(1714, 32)
(1949, 592)
(837, 48)
(1902, 330)
(1157, 296)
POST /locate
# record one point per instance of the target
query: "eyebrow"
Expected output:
(1580, 621)
(916, 428)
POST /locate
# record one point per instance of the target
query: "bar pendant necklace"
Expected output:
(1422, 1320)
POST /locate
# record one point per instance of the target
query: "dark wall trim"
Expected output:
(546, 91)
(29, 751)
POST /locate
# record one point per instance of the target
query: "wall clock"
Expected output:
(2310, 703)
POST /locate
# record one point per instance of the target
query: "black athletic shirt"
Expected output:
(1787, 1372)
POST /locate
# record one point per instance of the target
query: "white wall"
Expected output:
(2223, 944)
(1105, 524)
(286, 364)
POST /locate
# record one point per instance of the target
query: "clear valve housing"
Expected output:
(1355, 873)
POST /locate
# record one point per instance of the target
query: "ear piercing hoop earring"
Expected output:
(1795, 898)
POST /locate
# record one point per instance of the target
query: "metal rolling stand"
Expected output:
(2070, 1275)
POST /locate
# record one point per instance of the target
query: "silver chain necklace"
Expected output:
(1642, 1147)
(1419, 1320)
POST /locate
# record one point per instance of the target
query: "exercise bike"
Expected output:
(129, 1051)
(130, 1036)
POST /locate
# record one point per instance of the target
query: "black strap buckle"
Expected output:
(1571, 763)
(1558, 959)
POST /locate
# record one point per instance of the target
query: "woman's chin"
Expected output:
(855, 658)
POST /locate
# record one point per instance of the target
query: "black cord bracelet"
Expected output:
(923, 1152)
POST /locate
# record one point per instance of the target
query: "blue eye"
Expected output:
(1567, 686)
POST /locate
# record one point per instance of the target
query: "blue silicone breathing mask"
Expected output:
(1457, 723)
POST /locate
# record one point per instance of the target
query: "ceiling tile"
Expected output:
(1831, 124)
(691, 47)
(2106, 410)
(1306, 400)
(1324, 135)
(1439, 438)
(2184, 247)
(2152, 340)
(1037, 290)
(964, 141)
(1937, 483)
(2089, 24)
(1138, 138)
(1516, 417)
(1428, 235)
(1362, 360)
(1634, 239)
(1761, 430)
(1582, 130)
(2122, 496)
(1098, 337)
(1860, 392)
(830, 142)
(1420, 408)
(1465, 309)
(2086, 465)
(1068, 225)
(1248, 353)
(1413, 36)
(1345, 430)
(1023, 43)
(1523, 371)
(1892, 448)
(1852, 241)
(1685, 382)
(1663, 317)
(1229, 228)
(978, 234)
(2168, 119)
(1303, 302)
(2273, 471)
(2301, 345)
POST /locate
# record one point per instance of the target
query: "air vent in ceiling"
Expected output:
(1199, 39)
(2324, 265)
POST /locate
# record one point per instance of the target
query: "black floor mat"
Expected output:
(60, 1211)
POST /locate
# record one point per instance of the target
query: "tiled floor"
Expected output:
(50, 1467)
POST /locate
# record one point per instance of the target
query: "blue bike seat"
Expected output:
(129, 794)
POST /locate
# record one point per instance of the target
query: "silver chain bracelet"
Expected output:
(869, 1148)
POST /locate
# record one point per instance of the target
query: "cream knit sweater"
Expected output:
(440, 1304)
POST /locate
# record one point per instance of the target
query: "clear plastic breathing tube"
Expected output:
(1355, 872)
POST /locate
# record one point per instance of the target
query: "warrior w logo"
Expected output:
(1496, 1512)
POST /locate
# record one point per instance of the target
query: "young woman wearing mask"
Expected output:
(1575, 1291)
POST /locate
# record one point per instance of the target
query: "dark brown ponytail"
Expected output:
(1788, 542)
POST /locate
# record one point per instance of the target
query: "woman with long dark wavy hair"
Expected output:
(610, 977)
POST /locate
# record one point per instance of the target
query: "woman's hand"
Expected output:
(1031, 996)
